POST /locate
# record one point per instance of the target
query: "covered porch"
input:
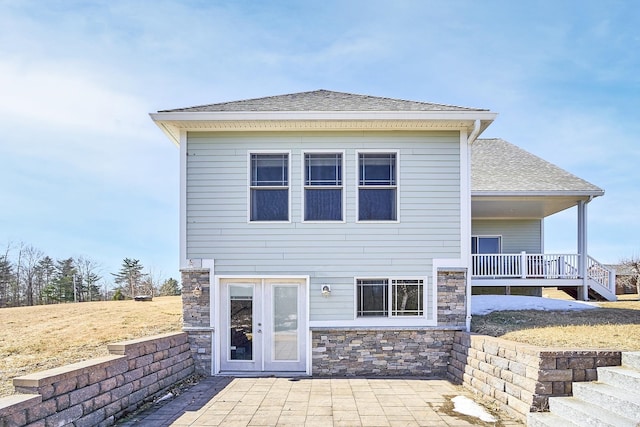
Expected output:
(513, 191)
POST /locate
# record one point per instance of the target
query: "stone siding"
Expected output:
(196, 314)
(416, 352)
(99, 391)
(520, 378)
(452, 301)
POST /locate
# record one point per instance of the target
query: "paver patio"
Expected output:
(349, 402)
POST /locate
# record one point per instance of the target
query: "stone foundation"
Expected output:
(415, 352)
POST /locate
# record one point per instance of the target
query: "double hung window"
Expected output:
(269, 187)
(390, 297)
(377, 187)
(323, 187)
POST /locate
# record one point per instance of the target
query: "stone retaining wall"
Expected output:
(99, 391)
(520, 378)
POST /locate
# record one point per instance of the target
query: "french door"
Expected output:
(263, 325)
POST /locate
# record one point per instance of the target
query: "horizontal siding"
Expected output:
(517, 235)
(330, 253)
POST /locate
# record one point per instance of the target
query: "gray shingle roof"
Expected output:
(322, 100)
(497, 165)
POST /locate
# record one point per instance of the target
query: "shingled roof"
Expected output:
(498, 166)
(322, 100)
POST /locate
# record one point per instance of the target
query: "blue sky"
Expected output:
(85, 172)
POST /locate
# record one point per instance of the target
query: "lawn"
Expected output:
(616, 326)
(48, 336)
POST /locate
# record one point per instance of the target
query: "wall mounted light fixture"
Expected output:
(326, 290)
(197, 291)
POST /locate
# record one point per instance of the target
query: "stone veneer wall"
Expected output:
(196, 314)
(99, 391)
(520, 378)
(396, 351)
(452, 301)
(390, 352)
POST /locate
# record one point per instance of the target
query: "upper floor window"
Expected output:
(323, 187)
(269, 187)
(377, 187)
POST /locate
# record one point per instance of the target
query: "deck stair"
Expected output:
(613, 400)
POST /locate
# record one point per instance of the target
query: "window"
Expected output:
(377, 187)
(394, 297)
(323, 187)
(486, 244)
(269, 187)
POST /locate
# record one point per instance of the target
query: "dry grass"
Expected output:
(44, 337)
(615, 326)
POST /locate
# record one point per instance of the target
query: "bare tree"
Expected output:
(31, 258)
(87, 279)
(633, 265)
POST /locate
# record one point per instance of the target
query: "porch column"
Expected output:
(582, 248)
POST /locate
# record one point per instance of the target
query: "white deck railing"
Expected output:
(543, 267)
(526, 266)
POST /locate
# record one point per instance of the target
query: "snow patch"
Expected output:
(466, 406)
(485, 304)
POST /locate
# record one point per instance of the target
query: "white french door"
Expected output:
(263, 325)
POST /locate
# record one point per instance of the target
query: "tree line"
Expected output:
(30, 277)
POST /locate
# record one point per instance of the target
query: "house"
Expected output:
(329, 233)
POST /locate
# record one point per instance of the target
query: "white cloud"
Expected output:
(66, 95)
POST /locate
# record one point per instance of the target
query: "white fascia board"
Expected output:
(321, 115)
(566, 193)
(171, 131)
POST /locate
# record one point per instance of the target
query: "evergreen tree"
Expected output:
(170, 287)
(63, 284)
(45, 272)
(6, 278)
(130, 277)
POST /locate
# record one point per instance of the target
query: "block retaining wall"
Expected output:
(99, 391)
(520, 378)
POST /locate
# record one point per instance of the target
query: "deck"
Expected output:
(524, 269)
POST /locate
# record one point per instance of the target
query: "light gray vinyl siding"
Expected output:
(517, 235)
(330, 253)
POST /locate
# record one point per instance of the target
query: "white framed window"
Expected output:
(323, 198)
(268, 187)
(377, 186)
(389, 297)
(486, 244)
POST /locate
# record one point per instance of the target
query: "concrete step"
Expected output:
(587, 414)
(617, 400)
(548, 419)
(631, 359)
(620, 376)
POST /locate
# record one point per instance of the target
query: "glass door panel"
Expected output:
(241, 322)
(240, 331)
(285, 322)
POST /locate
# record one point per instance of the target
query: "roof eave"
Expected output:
(565, 193)
(172, 122)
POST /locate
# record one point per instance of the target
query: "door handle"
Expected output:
(259, 331)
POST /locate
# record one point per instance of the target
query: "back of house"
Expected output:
(325, 233)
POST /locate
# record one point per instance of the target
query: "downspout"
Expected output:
(474, 132)
(472, 137)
